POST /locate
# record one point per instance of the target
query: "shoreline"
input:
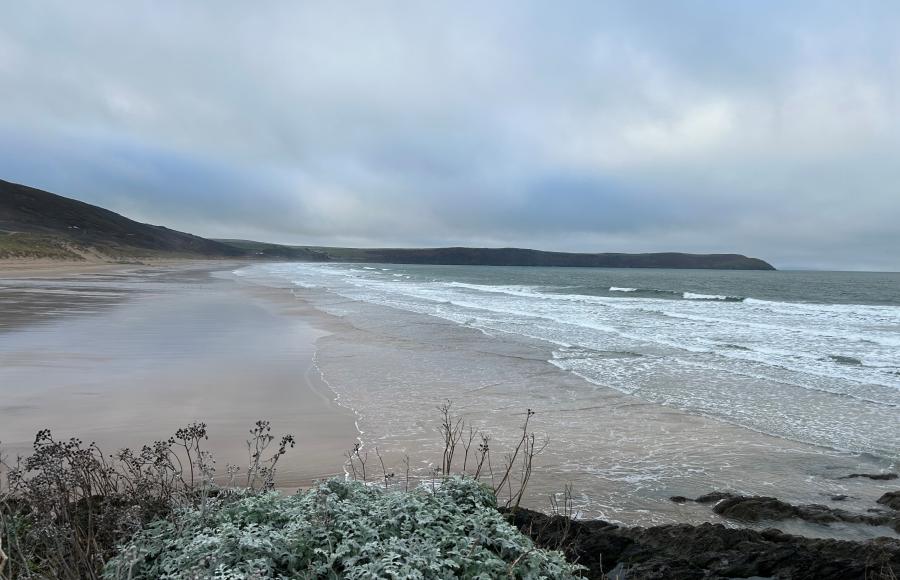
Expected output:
(376, 354)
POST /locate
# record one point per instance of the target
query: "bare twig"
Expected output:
(355, 456)
(523, 440)
(467, 444)
(387, 476)
(451, 430)
(512, 566)
(3, 559)
(406, 465)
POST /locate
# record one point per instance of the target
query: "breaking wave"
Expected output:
(800, 370)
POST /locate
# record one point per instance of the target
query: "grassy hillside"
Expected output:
(40, 224)
(31, 246)
(262, 250)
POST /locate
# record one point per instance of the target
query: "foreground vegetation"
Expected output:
(341, 529)
(36, 246)
(69, 511)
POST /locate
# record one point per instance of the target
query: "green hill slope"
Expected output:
(39, 224)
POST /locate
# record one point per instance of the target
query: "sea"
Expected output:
(651, 382)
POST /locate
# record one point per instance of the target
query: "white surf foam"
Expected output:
(696, 296)
(784, 347)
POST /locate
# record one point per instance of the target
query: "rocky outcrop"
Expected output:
(712, 497)
(757, 509)
(875, 476)
(708, 551)
(891, 499)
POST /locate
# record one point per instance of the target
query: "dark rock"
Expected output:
(839, 497)
(891, 499)
(820, 514)
(845, 360)
(754, 509)
(714, 497)
(708, 551)
(594, 543)
(875, 476)
(707, 498)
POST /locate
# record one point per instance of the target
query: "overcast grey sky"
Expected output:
(768, 128)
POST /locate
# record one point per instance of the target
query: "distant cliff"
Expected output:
(40, 224)
(523, 257)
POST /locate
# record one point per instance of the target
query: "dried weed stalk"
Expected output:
(65, 507)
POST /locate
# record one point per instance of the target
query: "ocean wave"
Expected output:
(495, 289)
(722, 297)
(845, 360)
(647, 292)
(582, 352)
(880, 310)
(651, 292)
(793, 335)
(535, 292)
(584, 294)
(736, 346)
(827, 333)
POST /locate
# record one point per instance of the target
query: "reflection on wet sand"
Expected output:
(127, 357)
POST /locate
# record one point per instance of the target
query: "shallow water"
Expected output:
(694, 381)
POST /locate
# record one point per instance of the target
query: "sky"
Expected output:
(766, 128)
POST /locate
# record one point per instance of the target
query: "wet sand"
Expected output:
(125, 354)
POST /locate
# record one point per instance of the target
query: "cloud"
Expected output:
(761, 128)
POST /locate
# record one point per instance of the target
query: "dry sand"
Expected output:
(125, 354)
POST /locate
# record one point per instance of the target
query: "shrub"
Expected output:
(340, 529)
(65, 508)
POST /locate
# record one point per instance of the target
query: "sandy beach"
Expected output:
(125, 354)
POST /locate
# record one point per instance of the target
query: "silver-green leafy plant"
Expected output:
(341, 529)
